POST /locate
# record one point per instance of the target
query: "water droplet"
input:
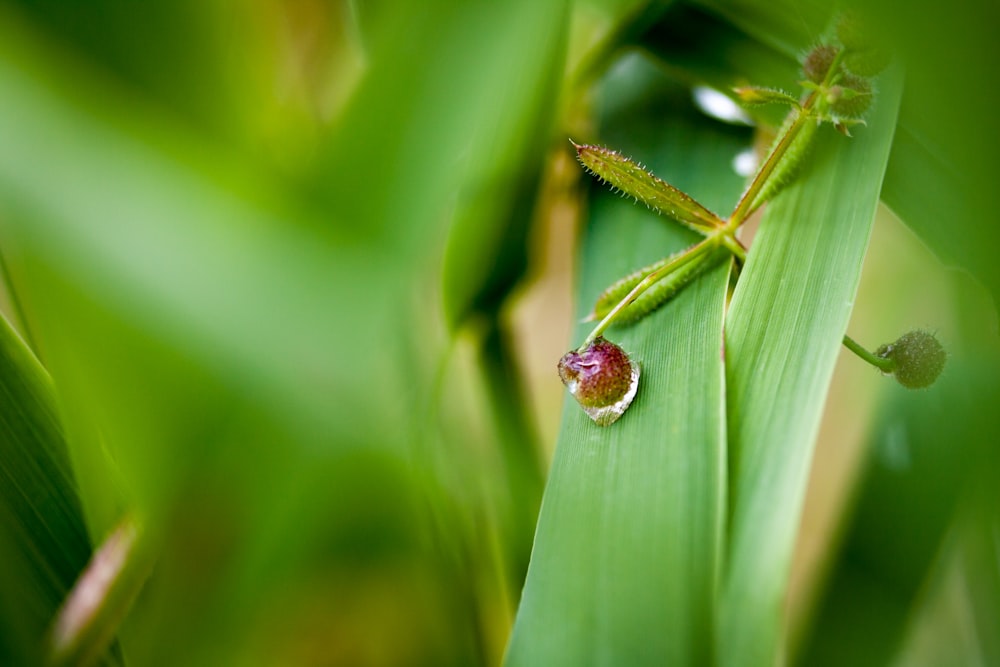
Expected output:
(602, 379)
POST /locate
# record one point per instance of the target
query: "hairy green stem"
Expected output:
(745, 207)
(884, 365)
(632, 178)
(734, 246)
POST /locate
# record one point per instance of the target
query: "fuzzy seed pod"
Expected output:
(918, 359)
(855, 96)
(601, 378)
(817, 63)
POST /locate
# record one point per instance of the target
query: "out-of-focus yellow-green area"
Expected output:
(299, 272)
(223, 231)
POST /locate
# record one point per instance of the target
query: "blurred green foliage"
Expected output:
(265, 253)
(43, 542)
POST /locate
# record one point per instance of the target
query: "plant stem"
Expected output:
(694, 253)
(726, 235)
(745, 207)
(884, 365)
(734, 246)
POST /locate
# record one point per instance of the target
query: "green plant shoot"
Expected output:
(833, 93)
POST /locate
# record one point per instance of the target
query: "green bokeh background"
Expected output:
(298, 273)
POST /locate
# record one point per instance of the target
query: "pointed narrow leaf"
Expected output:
(790, 166)
(754, 96)
(783, 334)
(43, 541)
(655, 296)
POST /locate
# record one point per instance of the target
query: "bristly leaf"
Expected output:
(655, 296)
(633, 179)
(753, 96)
(621, 287)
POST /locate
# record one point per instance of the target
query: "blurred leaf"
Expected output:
(44, 543)
(423, 128)
(93, 611)
(980, 560)
(253, 351)
(487, 249)
(789, 26)
(622, 22)
(941, 175)
(931, 453)
(627, 553)
(519, 451)
(703, 49)
(783, 331)
(178, 54)
(168, 259)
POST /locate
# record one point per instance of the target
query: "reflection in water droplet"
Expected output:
(609, 414)
(601, 378)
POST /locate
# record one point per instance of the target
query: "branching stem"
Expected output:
(692, 254)
(805, 114)
(725, 236)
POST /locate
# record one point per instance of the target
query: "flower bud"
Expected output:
(918, 359)
(601, 378)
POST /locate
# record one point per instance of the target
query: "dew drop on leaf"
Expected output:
(602, 379)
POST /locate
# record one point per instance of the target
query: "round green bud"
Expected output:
(818, 61)
(601, 378)
(918, 359)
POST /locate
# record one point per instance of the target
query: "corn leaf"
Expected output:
(783, 332)
(629, 542)
(43, 541)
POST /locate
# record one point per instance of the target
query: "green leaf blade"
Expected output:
(43, 540)
(783, 333)
(627, 554)
(630, 532)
